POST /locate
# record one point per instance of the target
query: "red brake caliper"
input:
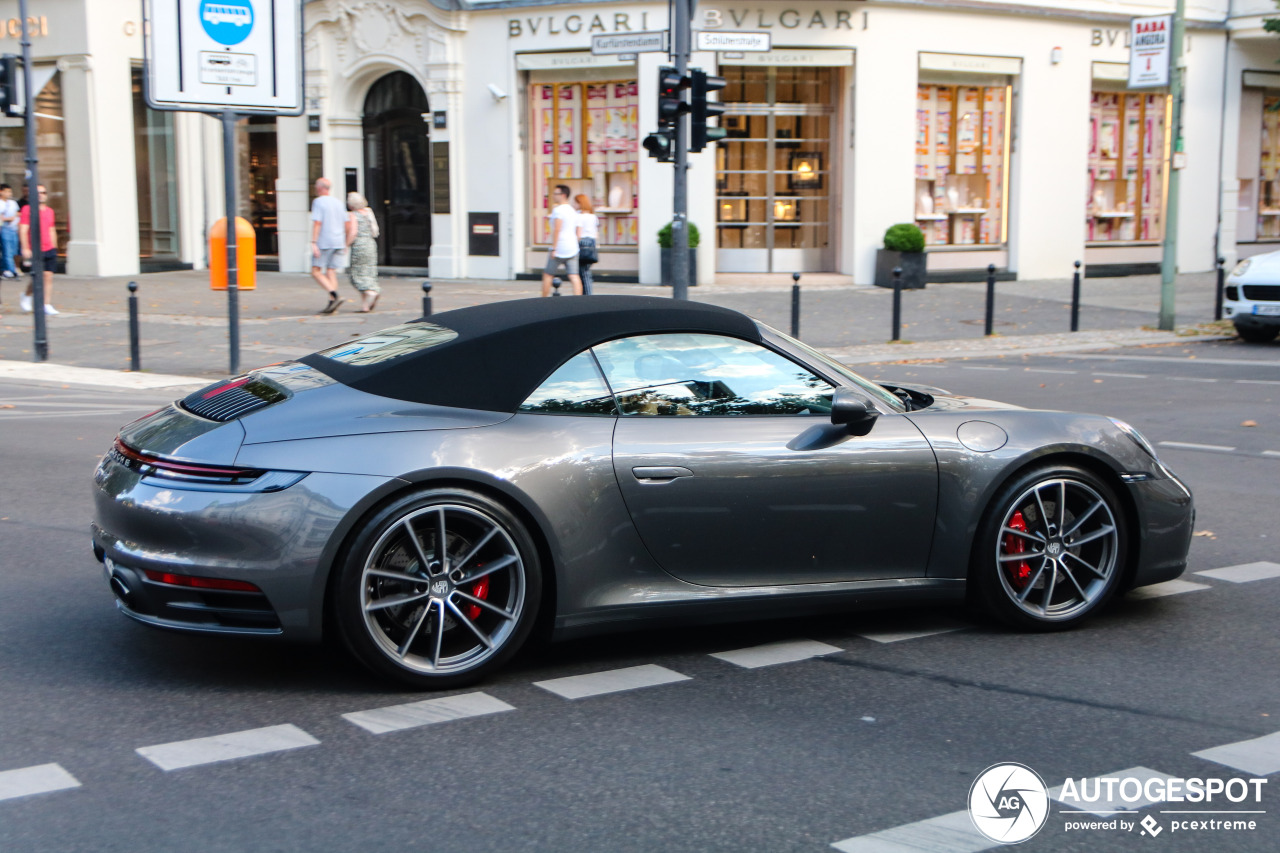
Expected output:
(480, 589)
(1021, 571)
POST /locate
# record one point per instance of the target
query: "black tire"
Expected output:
(485, 543)
(1063, 579)
(1258, 334)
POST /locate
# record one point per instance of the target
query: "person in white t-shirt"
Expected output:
(8, 231)
(564, 242)
(588, 237)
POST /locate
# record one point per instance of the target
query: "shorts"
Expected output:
(570, 264)
(330, 259)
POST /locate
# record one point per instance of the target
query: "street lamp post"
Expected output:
(40, 352)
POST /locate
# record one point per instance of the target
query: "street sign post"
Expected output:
(737, 42)
(228, 57)
(647, 42)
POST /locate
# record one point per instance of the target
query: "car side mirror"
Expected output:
(849, 408)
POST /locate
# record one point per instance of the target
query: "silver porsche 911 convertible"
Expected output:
(436, 491)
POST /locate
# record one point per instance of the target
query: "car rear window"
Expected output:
(390, 343)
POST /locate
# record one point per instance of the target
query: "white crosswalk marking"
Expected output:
(207, 750)
(396, 717)
(1191, 445)
(942, 627)
(1260, 756)
(1097, 791)
(40, 779)
(951, 833)
(787, 651)
(1160, 590)
(610, 681)
(1244, 573)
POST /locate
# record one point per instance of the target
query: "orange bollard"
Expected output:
(246, 255)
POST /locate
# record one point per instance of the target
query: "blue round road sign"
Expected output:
(227, 21)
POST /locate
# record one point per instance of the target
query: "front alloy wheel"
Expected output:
(440, 589)
(1052, 549)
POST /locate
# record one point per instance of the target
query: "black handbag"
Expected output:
(587, 251)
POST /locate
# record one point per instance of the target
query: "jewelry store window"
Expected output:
(1127, 153)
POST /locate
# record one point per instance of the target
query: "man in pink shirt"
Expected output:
(48, 249)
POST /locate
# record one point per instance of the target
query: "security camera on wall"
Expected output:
(497, 93)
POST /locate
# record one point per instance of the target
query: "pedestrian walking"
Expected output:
(328, 242)
(48, 250)
(588, 237)
(8, 232)
(564, 241)
(362, 240)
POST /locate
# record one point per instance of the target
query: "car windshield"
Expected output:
(390, 343)
(880, 394)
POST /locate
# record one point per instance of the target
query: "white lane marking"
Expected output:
(41, 779)
(1107, 807)
(1190, 379)
(1047, 370)
(941, 627)
(409, 716)
(1257, 382)
(93, 376)
(31, 416)
(1260, 756)
(1160, 590)
(1245, 572)
(950, 833)
(611, 681)
(207, 750)
(1189, 445)
(1121, 375)
(1271, 453)
(786, 651)
(977, 367)
(1248, 362)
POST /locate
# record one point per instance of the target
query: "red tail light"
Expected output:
(160, 467)
(200, 583)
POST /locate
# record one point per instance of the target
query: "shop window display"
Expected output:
(1269, 179)
(962, 161)
(50, 148)
(1125, 202)
(586, 135)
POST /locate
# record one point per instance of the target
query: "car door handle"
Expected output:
(660, 473)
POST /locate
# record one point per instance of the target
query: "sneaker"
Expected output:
(9, 274)
(334, 302)
(49, 309)
(25, 302)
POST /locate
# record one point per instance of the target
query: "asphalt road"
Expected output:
(885, 732)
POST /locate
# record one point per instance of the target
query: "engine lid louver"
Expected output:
(234, 398)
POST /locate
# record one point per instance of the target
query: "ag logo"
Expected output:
(1008, 803)
(227, 21)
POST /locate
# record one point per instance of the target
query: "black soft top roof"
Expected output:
(504, 350)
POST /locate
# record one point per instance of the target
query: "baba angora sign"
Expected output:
(1150, 41)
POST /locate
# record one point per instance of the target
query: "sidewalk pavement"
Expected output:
(184, 323)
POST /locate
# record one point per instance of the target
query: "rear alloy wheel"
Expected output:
(1051, 549)
(1258, 334)
(439, 589)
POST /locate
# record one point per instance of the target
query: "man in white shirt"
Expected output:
(564, 242)
(8, 231)
(328, 241)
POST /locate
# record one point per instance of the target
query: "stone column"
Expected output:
(292, 216)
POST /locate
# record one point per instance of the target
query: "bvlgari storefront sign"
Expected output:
(825, 17)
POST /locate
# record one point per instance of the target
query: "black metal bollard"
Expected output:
(991, 299)
(795, 305)
(897, 303)
(135, 351)
(1075, 299)
(426, 299)
(1217, 300)
(555, 284)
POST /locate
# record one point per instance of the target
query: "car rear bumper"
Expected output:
(1166, 515)
(281, 542)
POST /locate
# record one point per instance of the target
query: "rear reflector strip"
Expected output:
(200, 583)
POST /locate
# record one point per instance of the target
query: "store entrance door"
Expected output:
(774, 174)
(397, 159)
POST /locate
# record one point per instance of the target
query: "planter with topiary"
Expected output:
(903, 247)
(664, 242)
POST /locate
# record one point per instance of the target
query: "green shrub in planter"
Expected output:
(665, 241)
(904, 249)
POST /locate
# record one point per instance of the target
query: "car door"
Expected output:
(734, 474)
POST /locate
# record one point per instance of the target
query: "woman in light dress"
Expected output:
(588, 237)
(362, 239)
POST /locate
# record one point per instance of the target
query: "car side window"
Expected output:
(692, 374)
(576, 388)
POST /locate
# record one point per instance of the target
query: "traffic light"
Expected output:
(671, 102)
(660, 145)
(702, 110)
(9, 95)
